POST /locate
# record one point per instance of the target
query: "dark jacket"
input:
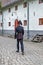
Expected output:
(19, 32)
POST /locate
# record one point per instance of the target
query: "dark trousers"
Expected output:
(22, 46)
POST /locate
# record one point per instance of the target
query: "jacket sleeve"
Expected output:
(15, 32)
(23, 31)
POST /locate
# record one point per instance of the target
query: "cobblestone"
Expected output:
(8, 55)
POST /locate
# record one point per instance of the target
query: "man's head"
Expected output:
(19, 22)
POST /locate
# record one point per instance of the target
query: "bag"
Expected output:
(20, 36)
(14, 36)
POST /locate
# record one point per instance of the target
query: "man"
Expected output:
(19, 32)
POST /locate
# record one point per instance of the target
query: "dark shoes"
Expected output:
(22, 53)
(17, 51)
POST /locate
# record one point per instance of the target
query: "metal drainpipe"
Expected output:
(2, 23)
(27, 20)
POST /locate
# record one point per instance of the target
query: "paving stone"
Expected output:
(8, 55)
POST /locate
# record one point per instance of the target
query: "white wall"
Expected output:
(7, 17)
(35, 12)
(34, 6)
(20, 14)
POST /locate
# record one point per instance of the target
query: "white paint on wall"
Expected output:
(20, 14)
(35, 12)
(36, 8)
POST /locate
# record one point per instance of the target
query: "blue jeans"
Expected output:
(22, 46)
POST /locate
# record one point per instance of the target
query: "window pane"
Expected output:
(9, 9)
(40, 1)
(16, 7)
(25, 4)
(1, 24)
(40, 21)
(9, 23)
(25, 22)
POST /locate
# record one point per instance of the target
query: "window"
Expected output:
(25, 22)
(9, 23)
(40, 21)
(16, 7)
(9, 9)
(40, 1)
(1, 12)
(1, 24)
(25, 4)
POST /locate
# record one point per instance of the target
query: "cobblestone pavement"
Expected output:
(8, 56)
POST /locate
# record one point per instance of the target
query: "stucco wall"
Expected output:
(35, 12)
(20, 14)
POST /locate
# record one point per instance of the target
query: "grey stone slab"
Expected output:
(8, 55)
